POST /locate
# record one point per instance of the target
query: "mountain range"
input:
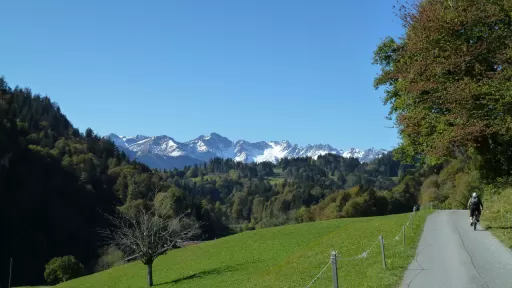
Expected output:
(165, 152)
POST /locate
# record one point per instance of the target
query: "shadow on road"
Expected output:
(497, 228)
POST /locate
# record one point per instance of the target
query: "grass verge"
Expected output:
(287, 256)
(497, 216)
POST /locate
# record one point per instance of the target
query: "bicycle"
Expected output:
(475, 220)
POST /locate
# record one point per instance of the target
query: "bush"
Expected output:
(61, 269)
(164, 204)
(429, 191)
(247, 227)
(330, 212)
(110, 257)
(356, 207)
(135, 207)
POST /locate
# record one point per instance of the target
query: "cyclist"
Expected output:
(475, 204)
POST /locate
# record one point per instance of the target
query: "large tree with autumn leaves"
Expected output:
(448, 82)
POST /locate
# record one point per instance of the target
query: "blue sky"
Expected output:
(254, 70)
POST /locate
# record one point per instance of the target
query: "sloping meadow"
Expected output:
(287, 256)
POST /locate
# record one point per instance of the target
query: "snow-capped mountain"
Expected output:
(165, 152)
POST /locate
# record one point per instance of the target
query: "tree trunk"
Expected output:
(150, 274)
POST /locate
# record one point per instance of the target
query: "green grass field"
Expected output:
(276, 179)
(287, 256)
(278, 176)
(497, 216)
(210, 177)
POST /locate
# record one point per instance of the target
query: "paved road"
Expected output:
(451, 255)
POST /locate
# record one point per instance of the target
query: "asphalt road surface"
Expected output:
(451, 255)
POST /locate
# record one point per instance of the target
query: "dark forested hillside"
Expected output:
(53, 182)
(57, 182)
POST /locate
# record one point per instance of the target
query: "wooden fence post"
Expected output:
(403, 232)
(334, 269)
(10, 273)
(382, 250)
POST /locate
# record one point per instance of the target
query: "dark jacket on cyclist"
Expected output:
(475, 204)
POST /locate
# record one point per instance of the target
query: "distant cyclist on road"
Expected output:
(475, 204)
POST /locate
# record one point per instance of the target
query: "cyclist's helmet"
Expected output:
(474, 195)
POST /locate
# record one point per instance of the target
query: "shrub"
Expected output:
(356, 207)
(110, 257)
(61, 269)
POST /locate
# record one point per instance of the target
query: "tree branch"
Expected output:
(147, 236)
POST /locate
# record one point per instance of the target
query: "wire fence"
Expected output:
(399, 236)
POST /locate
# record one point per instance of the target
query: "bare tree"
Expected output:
(146, 235)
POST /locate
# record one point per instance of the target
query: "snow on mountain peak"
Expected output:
(206, 147)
